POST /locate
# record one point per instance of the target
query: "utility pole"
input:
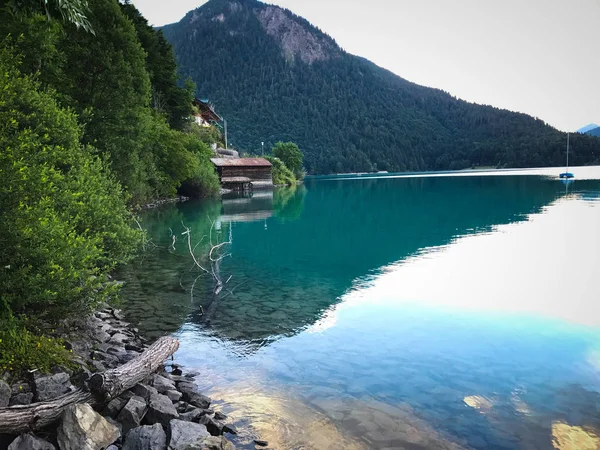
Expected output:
(263, 148)
(225, 123)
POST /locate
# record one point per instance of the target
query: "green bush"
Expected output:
(21, 350)
(281, 174)
(63, 220)
(291, 156)
(204, 181)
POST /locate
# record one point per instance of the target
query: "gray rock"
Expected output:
(160, 410)
(124, 358)
(47, 387)
(261, 443)
(162, 384)
(112, 447)
(187, 435)
(97, 366)
(5, 393)
(119, 339)
(134, 348)
(147, 437)
(143, 390)
(116, 424)
(183, 407)
(84, 429)
(191, 416)
(187, 386)
(174, 395)
(132, 413)
(213, 426)
(24, 398)
(105, 358)
(220, 416)
(30, 442)
(216, 443)
(198, 400)
(114, 407)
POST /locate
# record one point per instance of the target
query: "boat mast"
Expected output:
(567, 153)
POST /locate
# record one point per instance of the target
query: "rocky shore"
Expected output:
(164, 411)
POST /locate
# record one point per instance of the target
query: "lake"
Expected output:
(416, 312)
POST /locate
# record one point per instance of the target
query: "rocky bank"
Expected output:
(165, 411)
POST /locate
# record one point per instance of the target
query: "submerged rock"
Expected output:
(147, 437)
(82, 428)
(30, 442)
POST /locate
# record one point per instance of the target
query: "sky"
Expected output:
(540, 57)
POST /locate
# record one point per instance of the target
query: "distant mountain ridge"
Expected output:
(593, 132)
(274, 76)
(587, 128)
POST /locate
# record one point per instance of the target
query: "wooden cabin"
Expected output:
(206, 115)
(244, 173)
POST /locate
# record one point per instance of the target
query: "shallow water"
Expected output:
(420, 312)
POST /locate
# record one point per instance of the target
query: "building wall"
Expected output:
(254, 173)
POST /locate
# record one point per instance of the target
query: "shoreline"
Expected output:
(165, 407)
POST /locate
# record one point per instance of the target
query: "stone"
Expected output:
(261, 443)
(198, 400)
(147, 437)
(116, 424)
(160, 410)
(28, 441)
(187, 435)
(97, 366)
(119, 339)
(124, 358)
(143, 390)
(192, 374)
(220, 416)
(132, 413)
(114, 407)
(183, 407)
(213, 426)
(187, 386)
(82, 428)
(177, 371)
(133, 348)
(105, 358)
(47, 387)
(24, 398)
(191, 416)
(213, 443)
(112, 447)
(174, 395)
(5, 394)
(162, 384)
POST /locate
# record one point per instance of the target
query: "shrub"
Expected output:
(63, 220)
(281, 174)
(291, 156)
(21, 350)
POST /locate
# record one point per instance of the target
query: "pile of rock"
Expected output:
(164, 411)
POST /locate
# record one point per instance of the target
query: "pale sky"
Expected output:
(541, 57)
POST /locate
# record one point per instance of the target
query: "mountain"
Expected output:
(274, 77)
(587, 128)
(593, 132)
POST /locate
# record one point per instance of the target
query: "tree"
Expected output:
(290, 154)
(63, 220)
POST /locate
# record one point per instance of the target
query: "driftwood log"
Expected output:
(102, 388)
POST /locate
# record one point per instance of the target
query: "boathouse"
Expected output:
(244, 173)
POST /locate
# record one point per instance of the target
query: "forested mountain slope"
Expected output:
(275, 77)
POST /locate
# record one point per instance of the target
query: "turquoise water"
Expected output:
(443, 312)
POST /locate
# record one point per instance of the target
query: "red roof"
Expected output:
(240, 162)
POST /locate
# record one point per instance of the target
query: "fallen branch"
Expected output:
(102, 388)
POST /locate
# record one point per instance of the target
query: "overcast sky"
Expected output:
(541, 57)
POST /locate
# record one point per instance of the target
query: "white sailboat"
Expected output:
(566, 174)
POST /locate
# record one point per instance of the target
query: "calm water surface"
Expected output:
(390, 313)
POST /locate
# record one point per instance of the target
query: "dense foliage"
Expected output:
(281, 174)
(88, 123)
(63, 220)
(290, 154)
(346, 113)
